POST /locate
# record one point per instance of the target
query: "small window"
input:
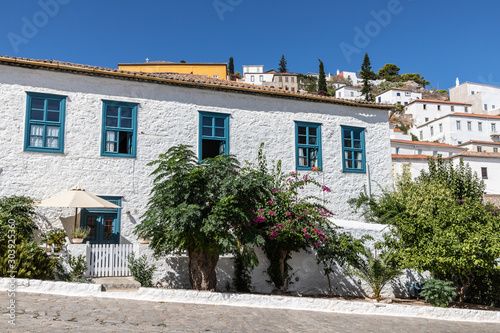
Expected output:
(459, 142)
(480, 126)
(486, 106)
(440, 128)
(352, 93)
(215, 76)
(426, 119)
(213, 135)
(398, 94)
(432, 130)
(398, 103)
(252, 78)
(380, 99)
(459, 125)
(119, 130)
(292, 79)
(466, 109)
(495, 150)
(472, 92)
(479, 149)
(286, 78)
(406, 103)
(493, 106)
(469, 125)
(434, 153)
(452, 108)
(421, 135)
(308, 145)
(397, 150)
(261, 78)
(419, 152)
(280, 79)
(44, 131)
(439, 107)
(353, 148)
(425, 106)
(493, 127)
(484, 173)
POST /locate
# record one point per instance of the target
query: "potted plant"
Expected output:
(79, 234)
(55, 237)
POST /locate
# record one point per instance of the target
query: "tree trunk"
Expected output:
(202, 270)
(284, 275)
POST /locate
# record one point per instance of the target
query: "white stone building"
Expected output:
(397, 96)
(457, 128)
(425, 110)
(481, 146)
(65, 124)
(254, 74)
(349, 92)
(485, 99)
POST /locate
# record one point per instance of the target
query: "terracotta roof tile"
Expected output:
(437, 101)
(426, 143)
(478, 141)
(183, 79)
(413, 157)
(477, 154)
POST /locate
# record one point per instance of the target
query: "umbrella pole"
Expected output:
(76, 214)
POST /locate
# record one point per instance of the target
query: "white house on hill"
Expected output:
(397, 96)
(425, 110)
(485, 99)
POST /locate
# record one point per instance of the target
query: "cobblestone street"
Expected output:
(52, 313)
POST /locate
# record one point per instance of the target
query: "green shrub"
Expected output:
(438, 292)
(78, 267)
(141, 271)
(485, 289)
(56, 237)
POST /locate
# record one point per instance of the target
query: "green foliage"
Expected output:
(78, 268)
(341, 249)
(141, 271)
(56, 237)
(376, 270)
(288, 221)
(230, 66)
(322, 87)
(390, 72)
(485, 289)
(438, 293)
(403, 128)
(442, 91)
(308, 81)
(367, 74)
(244, 262)
(414, 137)
(20, 209)
(415, 77)
(282, 65)
(440, 223)
(80, 232)
(386, 85)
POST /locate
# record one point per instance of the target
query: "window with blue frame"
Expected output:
(45, 123)
(353, 149)
(104, 224)
(119, 129)
(214, 134)
(308, 145)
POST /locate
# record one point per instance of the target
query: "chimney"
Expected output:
(338, 72)
(457, 83)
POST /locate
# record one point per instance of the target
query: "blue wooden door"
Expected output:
(104, 224)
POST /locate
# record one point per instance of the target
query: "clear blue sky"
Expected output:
(439, 39)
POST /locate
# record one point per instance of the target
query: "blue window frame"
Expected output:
(213, 134)
(104, 224)
(308, 145)
(44, 130)
(353, 149)
(119, 129)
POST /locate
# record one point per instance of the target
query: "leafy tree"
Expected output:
(390, 72)
(322, 78)
(183, 61)
(202, 208)
(367, 74)
(376, 270)
(282, 65)
(307, 82)
(230, 66)
(415, 77)
(440, 223)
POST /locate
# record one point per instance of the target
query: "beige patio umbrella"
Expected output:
(76, 198)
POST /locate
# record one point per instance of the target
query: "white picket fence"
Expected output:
(109, 259)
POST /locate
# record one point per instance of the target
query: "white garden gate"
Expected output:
(109, 259)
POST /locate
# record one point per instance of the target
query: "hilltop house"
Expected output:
(397, 96)
(65, 124)
(484, 99)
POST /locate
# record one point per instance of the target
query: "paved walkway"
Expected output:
(53, 313)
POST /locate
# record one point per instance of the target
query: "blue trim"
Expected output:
(348, 135)
(213, 135)
(44, 122)
(308, 146)
(100, 213)
(119, 128)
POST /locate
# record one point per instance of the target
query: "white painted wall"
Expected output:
(398, 96)
(492, 164)
(484, 98)
(167, 116)
(348, 92)
(425, 111)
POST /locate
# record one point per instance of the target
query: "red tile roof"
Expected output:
(413, 157)
(426, 143)
(477, 115)
(189, 80)
(397, 130)
(477, 154)
(478, 141)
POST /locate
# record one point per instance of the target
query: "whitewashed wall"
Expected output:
(167, 116)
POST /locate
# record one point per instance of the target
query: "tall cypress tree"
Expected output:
(367, 74)
(322, 78)
(282, 65)
(230, 66)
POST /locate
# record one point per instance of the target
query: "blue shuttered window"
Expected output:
(307, 145)
(45, 123)
(119, 129)
(213, 135)
(353, 149)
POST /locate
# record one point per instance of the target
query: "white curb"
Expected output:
(254, 300)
